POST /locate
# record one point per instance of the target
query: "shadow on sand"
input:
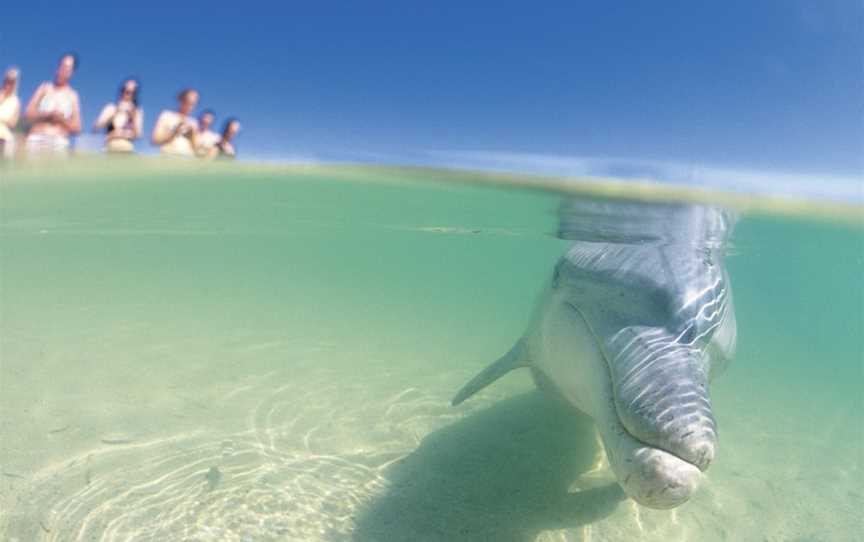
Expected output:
(501, 474)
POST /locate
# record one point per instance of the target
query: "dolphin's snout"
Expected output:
(702, 453)
(664, 480)
(689, 432)
(661, 395)
(650, 476)
(669, 421)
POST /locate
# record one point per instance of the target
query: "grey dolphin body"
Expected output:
(637, 320)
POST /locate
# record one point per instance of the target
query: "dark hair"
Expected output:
(227, 124)
(207, 112)
(76, 61)
(185, 92)
(134, 94)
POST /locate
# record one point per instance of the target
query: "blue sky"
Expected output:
(772, 85)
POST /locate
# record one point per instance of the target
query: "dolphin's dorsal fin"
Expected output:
(513, 359)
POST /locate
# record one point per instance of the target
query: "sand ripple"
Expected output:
(299, 471)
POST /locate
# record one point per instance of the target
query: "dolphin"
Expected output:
(634, 324)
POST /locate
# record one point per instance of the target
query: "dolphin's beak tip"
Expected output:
(704, 454)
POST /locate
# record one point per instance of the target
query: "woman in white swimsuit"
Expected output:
(175, 131)
(123, 121)
(54, 112)
(10, 110)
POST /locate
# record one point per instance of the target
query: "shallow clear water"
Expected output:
(250, 355)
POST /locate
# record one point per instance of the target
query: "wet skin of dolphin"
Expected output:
(637, 320)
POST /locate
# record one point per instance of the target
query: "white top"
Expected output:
(10, 107)
(53, 99)
(56, 99)
(124, 118)
(179, 145)
(206, 141)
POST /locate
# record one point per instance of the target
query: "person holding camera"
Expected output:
(54, 112)
(123, 121)
(206, 139)
(175, 131)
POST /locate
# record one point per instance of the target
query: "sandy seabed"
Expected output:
(286, 439)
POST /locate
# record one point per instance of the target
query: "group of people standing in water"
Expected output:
(53, 116)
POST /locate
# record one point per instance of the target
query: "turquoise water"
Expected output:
(269, 355)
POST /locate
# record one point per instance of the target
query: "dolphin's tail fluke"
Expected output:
(513, 359)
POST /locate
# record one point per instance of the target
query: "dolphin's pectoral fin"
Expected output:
(513, 359)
